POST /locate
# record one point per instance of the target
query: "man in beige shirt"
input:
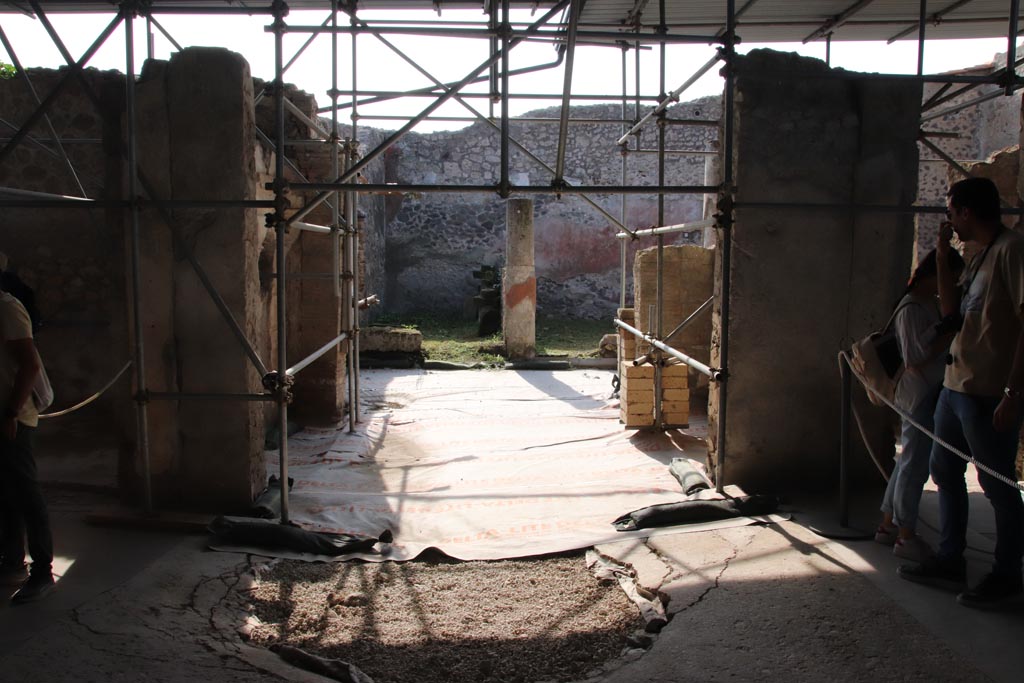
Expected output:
(25, 511)
(980, 407)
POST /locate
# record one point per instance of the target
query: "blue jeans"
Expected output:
(965, 422)
(903, 493)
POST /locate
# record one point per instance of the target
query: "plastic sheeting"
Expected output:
(483, 465)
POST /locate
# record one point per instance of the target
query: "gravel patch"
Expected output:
(442, 621)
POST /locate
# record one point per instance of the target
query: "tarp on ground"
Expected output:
(484, 465)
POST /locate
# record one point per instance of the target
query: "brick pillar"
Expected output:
(519, 282)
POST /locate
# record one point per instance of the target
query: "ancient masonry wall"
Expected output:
(807, 282)
(198, 141)
(435, 241)
(969, 136)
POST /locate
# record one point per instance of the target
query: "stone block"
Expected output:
(390, 339)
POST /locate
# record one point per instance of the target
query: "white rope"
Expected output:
(906, 416)
(89, 400)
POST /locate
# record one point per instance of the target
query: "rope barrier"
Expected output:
(89, 400)
(845, 357)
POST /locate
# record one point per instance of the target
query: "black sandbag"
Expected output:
(690, 511)
(268, 504)
(270, 535)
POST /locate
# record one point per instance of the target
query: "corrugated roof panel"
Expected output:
(760, 20)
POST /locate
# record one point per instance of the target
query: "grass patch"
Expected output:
(454, 340)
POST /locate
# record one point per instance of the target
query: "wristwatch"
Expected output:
(1012, 393)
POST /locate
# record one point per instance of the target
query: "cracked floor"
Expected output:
(747, 603)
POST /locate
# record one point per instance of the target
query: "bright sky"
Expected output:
(598, 70)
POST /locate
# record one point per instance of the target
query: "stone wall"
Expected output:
(73, 259)
(969, 136)
(197, 140)
(435, 241)
(688, 281)
(805, 283)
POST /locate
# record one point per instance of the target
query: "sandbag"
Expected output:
(691, 511)
(272, 535)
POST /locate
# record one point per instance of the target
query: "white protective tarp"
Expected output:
(484, 465)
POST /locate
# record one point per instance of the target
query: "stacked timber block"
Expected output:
(636, 390)
(675, 395)
(636, 395)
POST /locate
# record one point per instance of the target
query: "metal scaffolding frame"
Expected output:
(563, 23)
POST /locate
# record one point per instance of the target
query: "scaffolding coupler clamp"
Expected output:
(559, 186)
(280, 385)
(141, 396)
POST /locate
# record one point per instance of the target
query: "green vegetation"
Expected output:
(455, 340)
(7, 70)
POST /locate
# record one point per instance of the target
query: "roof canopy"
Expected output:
(757, 20)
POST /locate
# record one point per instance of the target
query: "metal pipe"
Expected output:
(689, 319)
(518, 34)
(311, 358)
(301, 116)
(1011, 47)
(310, 227)
(152, 20)
(702, 368)
(399, 134)
(375, 96)
(623, 247)
(309, 41)
(846, 393)
(665, 101)
(348, 310)
(945, 157)
(141, 413)
(29, 194)
(682, 227)
(835, 22)
(966, 105)
(179, 396)
(726, 246)
(35, 96)
(281, 226)
(659, 417)
(265, 139)
(335, 170)
(430, 91)
(570, 57)
(935, 19)
(355, 308)
(920, 36)
(393, 188)
(73, 72)
(503, 181)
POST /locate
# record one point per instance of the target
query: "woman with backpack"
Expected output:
(924, 349)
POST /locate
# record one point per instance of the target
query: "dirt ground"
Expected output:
(442, 621)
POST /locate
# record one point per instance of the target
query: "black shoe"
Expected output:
(992, 592)
(36, 588)
(941, 573)
(13, 576)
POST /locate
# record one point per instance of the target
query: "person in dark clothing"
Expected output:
(24, 510)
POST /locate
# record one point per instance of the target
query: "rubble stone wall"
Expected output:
(435, 241)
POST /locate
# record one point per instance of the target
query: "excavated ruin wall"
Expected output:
(807, 281)
(435, 241)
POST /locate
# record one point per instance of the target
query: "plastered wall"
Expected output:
(806, 282)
